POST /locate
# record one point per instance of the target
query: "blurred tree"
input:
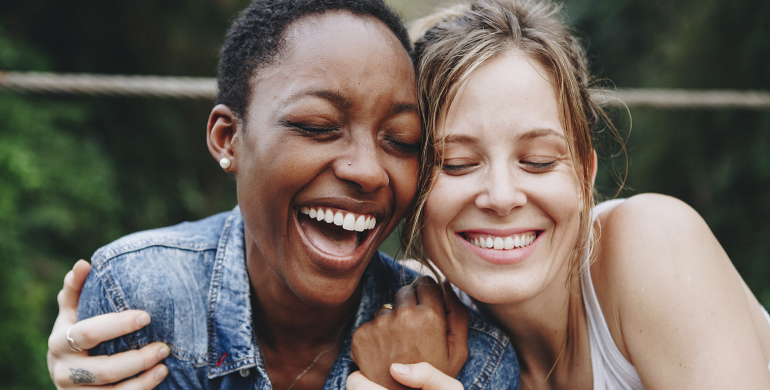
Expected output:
(718, 161)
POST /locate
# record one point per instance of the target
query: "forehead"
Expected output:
(510, 93)
(340, 51)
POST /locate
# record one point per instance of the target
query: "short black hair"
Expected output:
(255, 39)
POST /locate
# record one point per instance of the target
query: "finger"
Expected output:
(73, 285)
(423, 376)
(88, 333)
(405, 296)
(104, 370)
(357, 381)
(457, 327)
(429, 294)
(382, 310)
(150, 379)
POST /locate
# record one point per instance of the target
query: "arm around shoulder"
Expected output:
(675, 303)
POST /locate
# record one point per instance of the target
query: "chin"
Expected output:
(328, 292)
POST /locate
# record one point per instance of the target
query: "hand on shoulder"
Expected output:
(76, 369)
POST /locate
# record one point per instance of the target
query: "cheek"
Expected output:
(558, 195)
(403, 180)
(445, 202)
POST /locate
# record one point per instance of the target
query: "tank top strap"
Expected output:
(610, 369)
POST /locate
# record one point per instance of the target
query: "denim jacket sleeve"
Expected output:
(108, 290)
(491, 363)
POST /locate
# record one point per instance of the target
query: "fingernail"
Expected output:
(402, 369)
(143, 319)
(163, 353)
(161, 373)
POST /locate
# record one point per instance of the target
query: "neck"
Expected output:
(283, 321)
(545, 329)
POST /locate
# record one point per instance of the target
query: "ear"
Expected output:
(595, 169)
(220, 134)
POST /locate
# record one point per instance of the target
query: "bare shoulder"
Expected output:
(668, 290)
(654, 235)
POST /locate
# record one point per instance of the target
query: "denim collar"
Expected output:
(232, 342)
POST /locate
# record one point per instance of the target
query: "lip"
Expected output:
(348, 204)
(496, 256)
(340, 264)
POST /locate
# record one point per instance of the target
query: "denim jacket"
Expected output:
(191, 278)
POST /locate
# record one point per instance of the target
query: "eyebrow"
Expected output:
(544, 132)
(529, 135)
(457, 139)
(343, 102)
(333, 97)
(400, 108)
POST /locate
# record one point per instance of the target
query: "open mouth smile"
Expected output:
(338, 238)
(486, 241)
(501, 247)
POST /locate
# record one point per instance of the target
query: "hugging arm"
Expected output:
(423, 327)
(677, 308)
(70, 369)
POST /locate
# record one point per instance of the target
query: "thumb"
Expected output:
(423, 376)
(457, 329)
(357, 381)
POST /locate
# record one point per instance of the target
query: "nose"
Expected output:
(500, 191)
(361, 165)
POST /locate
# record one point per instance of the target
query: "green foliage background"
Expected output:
(77, 173)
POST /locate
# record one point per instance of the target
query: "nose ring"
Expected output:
(350, 163)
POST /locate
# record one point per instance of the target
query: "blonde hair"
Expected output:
(452, 43)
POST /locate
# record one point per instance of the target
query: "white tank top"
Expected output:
(611, 370)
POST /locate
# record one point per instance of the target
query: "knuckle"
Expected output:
(60, 376)
(108, 375)
(89, 334)
(60, 297)
(52, 347)
(148, 361)
(148, 384)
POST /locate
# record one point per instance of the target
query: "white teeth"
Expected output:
(507, 243)
(348, 221)
(360, 224)
(339, 219)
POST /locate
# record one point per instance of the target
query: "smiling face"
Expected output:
(326, 161)
(502, 219)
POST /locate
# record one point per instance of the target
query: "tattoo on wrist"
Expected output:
(80, 375)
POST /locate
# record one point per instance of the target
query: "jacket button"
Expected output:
(244, 372)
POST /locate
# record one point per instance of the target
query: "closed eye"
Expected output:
(311, 129)
(410, 148)
(540, 166)
(456, 169)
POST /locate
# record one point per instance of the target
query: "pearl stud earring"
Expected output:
(224, 163)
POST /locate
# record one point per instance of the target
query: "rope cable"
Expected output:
(206, 88)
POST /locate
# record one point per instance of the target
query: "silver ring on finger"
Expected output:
(71, 342)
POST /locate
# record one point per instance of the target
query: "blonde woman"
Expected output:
(629, 294)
